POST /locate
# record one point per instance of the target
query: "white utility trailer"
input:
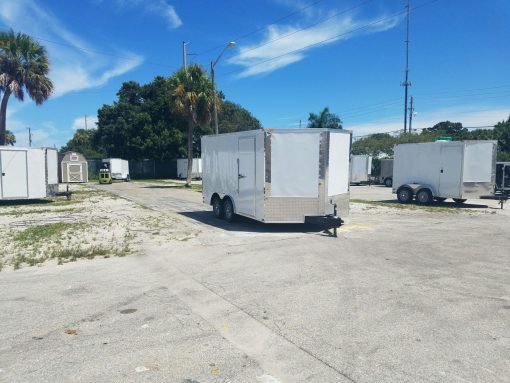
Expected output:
(182, 168)
(119, 168)
(278, 175)
(361, 168)
(28, 173)
(444, 169)
(386, 175)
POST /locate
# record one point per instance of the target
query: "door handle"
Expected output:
(3, 174)
(441, 170)
(239, 176)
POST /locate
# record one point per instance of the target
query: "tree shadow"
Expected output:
(243, 224)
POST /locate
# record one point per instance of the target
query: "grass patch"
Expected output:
(409, 206)
(39, 233)
(72, 254)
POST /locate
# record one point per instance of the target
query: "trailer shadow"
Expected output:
(24, 202)
(445, 204)
(243, 224)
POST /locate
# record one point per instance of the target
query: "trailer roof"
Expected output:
(282, 130)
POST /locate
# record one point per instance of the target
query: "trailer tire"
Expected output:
(424, 197)
(388, 182)
(228, 209)
(217, 207)
(404, 194)
(459, 200)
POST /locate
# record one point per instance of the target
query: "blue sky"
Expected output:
(292, 57)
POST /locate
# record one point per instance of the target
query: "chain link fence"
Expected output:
(139, 169)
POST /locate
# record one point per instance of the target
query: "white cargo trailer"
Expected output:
(386, 175)
(444, 169)
(361, 168)
(182, 168)
(28, 173)
(278, 175)
(119, 168)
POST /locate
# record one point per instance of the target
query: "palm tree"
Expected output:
(10, 138)
(325, 119)
(24, 67)
(191, 96)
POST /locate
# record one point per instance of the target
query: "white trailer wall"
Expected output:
(338, 173)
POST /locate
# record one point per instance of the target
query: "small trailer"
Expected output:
(28, 173)
(361, 168)
(444, 169)
(502, 184)
(386, 175)
(278, 175)
(182, 168)
(119, 168)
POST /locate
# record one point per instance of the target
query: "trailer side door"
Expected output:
(450, 172)
(14, 173)
(246, 177)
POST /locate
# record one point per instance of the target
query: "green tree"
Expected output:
(83, 142)
(24, 67)
(10, 138)
(234, 118)
(192, 98)
(453, 129)
(325, 119)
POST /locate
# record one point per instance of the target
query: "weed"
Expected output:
(38, 233)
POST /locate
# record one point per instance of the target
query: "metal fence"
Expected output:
(140, 169)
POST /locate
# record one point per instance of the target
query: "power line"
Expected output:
(264, 27)
(336, 36)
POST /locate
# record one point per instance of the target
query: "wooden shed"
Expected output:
(74, 168)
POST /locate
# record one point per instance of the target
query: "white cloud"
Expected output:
(286, 44)
(71, 68)
(79, 122)
(469, 116)
(157, 7)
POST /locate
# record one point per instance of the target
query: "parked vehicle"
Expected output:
(28, 173)
(502, 184)
(386, 175)
(361, 169)
(118, 167)
(182, 168)
(278, 175)
(442, 169)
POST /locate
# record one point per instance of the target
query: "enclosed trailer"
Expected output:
(442, 169)
(386, 175)
(278, 175)
(502, 184)
(74, 168)
(361, 168)
(182, 168)
(119, 168)
(28, 173)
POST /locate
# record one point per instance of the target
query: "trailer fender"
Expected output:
(417, 187)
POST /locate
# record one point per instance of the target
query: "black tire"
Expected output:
(460, 200)
(424, 197)
(404, 195)
(217, 207)
(439, 199)
(228, 210)
(388, 182)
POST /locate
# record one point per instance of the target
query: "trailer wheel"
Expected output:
(217, 207)
(388, 182)
(459, 200)
(228, 210)
(424, 197)
(404, 194)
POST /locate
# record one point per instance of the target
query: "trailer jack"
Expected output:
(326, 222)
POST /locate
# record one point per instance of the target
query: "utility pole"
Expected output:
(299, 124)
(86, 122)
(406, 82)
(411, 112)
(29, 136)
(184, 43)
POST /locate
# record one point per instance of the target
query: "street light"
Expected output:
(231, 44)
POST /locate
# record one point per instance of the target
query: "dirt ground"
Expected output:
(404, 294)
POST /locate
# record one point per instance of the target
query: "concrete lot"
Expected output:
(403, 295)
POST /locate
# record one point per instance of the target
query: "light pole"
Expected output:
(231, 44)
